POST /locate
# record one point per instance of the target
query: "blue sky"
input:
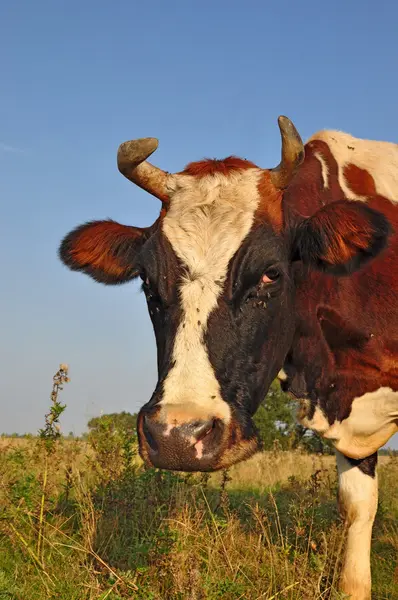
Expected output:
(208, 79)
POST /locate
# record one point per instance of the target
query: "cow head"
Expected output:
(216, 269)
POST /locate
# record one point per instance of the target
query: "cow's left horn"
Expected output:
(132, 163)
(292, 154)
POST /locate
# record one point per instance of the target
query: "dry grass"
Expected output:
(270, 530)
(269, 469)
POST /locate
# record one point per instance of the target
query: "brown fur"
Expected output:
(270, 209)
(104, 250)
(353, 233)
(359, 181)
(210, 166)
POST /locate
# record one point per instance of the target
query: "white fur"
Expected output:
(379, 158)
(325, 169)
(373, 420)
(318, 422)
(206, 223)
(358, 501)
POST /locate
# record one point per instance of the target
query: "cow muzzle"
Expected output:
(199, 445)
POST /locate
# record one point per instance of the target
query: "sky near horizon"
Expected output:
(207, 79)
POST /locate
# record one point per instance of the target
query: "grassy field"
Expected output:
(91, 523)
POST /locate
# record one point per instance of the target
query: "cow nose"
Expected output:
(192, 432)
(190, 446)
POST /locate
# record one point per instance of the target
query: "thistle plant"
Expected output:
(48, 436)
(52, 430)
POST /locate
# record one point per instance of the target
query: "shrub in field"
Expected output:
(114, 441)
(122, 422)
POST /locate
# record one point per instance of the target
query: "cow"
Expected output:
(251, 274)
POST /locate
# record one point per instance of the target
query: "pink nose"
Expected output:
(192, 446)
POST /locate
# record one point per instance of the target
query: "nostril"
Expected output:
(207, 438)
(199, 430)
(149, 432)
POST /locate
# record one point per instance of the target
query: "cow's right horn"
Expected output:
(132, 163)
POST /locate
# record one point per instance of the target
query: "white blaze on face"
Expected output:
(206, 223)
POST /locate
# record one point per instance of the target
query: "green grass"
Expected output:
(112, 530)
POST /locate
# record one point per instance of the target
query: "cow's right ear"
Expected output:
(104, 250)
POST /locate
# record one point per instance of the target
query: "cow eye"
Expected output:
(261, 292)
(269, 276)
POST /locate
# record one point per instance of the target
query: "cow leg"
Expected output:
(358, 493)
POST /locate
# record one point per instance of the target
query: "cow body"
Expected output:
(250, 270)
(343, 363)
(344, 357)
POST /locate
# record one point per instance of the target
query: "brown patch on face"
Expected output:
(270, 207)
(359, 180)
(211, 166)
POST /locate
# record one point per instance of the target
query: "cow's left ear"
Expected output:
(341, 237)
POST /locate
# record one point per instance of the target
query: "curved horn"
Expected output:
(292, 154)
(132, 163)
